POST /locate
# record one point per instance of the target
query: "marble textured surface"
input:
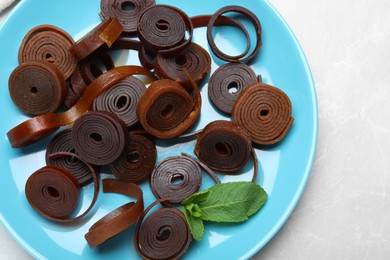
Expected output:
(344, 212)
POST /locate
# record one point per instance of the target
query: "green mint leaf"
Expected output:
(232, 202)
(195, 224)
(196, 198)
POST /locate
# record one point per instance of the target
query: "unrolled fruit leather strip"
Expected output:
(265, 112)
(119, 219)
(50, 44)
(105, 33)
(167, 110)
(37, 128)
(164, 234)
(37, 87)
(54, 192)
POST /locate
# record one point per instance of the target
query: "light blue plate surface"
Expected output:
(284, 168)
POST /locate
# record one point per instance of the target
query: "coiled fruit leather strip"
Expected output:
(105, 33)
(254, 20)
(167, 110)
(227, 82)
(138, 161)
(51, 44)
(224, 146)
(195, 59)
(122, 100)
(54, 192)
(99, 137)
(62, 142)
(127, 12)
(177, 177)
(37, 128)
(265, 112)
(37, 87)
(76, 87)
(162, 28)
(119, 219)
(164, 234)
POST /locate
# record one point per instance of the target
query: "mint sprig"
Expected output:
(227, 202)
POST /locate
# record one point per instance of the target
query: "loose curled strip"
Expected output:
(119, 219)
(177, 177)
(265, 112)
(248, 14)
(227, 82)
(122, 100)
(126, 11)
(105, 33)
(223, 146)
(51, 44)
(137, 163)
(37, 128)
(62, 142)
(164, 234)
(205, 168)
(162, 28)
(99, 137)
(195, 59)
(54, 192)
(37, 87)
(167, 110)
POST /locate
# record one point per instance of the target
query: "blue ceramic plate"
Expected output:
(284, 168)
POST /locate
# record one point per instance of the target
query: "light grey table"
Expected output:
(344, 212)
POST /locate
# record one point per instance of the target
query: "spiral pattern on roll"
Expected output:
(37, 88)
(52, 191)
(176, 177)
(164, 234)
(163, 28)
(99, 137)
(137, 163)
(51, 44)
(265, 112)
(62, 142)
(126, 11)
(122, 100)
(195, 59)
(227, 82)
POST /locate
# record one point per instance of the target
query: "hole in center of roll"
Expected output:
(34, 90)
(95, 71)
(222, 148)
(232, 87)
(181, 60)
(177, 179)
(167, 111)
(263, 112)
(163, 233)
(127, 7)
(132, 157)
(162, 25)
(96, 137)
(121, 102)
(53, 192)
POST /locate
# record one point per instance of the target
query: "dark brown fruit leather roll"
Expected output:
(76, 87)
(105, 33)
(90, 69)
(119, 219)
(164, 234)
(177, 177)
(265, 112)
(258, 31)
(137, 162)
(122, 100)
(51, 44)
(62, 142)
(162, 28)
(99, 137)
(37, 88)
(227, 82)
(194, 59)
(167, 110)
(39, 127)
(126, 11)
(224, 146)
